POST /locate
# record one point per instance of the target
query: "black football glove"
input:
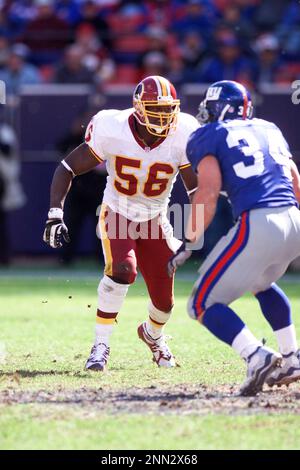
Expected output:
(55, 231)
(179, 258)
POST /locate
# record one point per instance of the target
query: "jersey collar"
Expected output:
(138, 139)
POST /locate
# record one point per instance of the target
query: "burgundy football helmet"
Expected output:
(156, 105)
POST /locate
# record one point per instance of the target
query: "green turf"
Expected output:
(47, 327)
(32, 429)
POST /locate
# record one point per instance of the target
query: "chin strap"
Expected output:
(157, 131)
(191, 191)
(224, 111)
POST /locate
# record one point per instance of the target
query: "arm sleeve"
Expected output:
(184, 162)
(94, 139)
(201, 143)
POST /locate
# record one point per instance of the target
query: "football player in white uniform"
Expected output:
(144, 149)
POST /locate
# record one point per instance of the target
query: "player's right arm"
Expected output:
(79, 161)
(296, 179)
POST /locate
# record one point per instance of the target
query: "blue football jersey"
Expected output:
(254, 160)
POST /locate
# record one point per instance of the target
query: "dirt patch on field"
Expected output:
(180, 399)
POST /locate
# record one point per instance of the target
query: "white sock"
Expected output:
(111, 295)
(156, 321)
(245, 343)
(103, 333)
(154, 331)
(286, 339)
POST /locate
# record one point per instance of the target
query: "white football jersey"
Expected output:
(140, 178)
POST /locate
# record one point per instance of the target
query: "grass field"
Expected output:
(48, 401)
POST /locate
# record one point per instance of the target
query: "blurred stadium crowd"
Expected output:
(104, 42)
(107, 45)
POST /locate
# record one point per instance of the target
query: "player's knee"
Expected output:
(193, 310)
(125, 272)
(196, 306)
(164, 305)
(190, 308)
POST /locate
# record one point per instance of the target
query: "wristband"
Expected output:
(55, 213)
(67, 167)
(191, 191)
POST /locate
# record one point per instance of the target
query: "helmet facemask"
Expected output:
(156, 119)
(203, 116)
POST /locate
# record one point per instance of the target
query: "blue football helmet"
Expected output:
(225, 100)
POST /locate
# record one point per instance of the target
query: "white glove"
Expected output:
(179, 258)
(55, 231)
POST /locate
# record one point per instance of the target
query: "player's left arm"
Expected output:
(209, 184)
(189, 179)
(207, 194)
(296, 179)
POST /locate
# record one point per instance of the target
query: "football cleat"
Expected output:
(159, 348)
(260, 364)
(98, 357)
(288, 373)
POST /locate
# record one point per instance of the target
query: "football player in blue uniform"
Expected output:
(250, 160)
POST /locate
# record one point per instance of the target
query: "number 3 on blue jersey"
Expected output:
(249, 145)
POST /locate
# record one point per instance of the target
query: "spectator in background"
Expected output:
(192, 50)
(4, 51)
(11, 193)
(248, 6)
(220, 33)
(161, 12)
(177, 71)
(6, 26)
(87, 38)
(47, 34)
(269, 64)
(233, 20)
(68, 11)
(20, 13)
(156, 42)
(198, 15)
(229, 64)
(18, 71)
(269, 14)
(72, 69)
(85, 195)
(289, 30)
(127, 26)
(154, 63)
(89, 14)
(95, 56)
